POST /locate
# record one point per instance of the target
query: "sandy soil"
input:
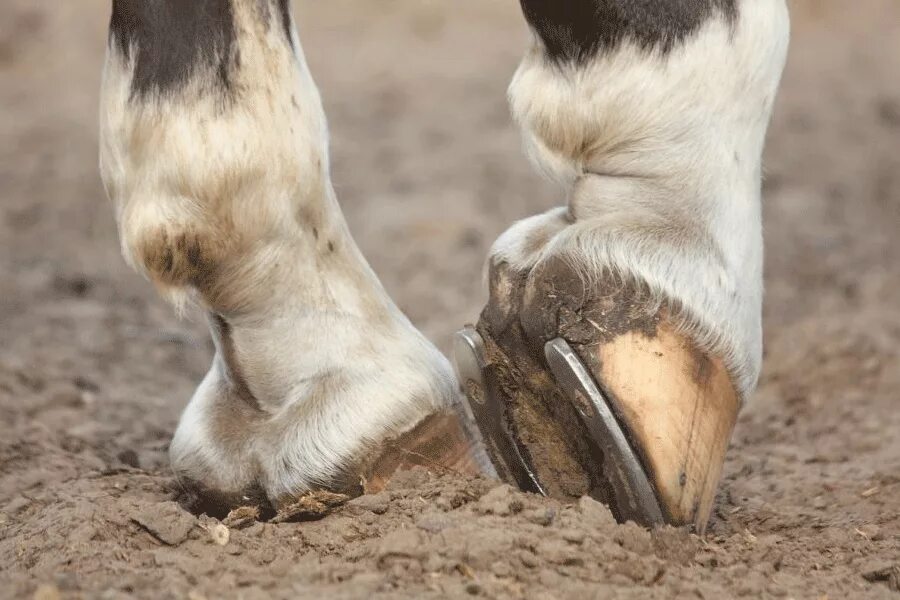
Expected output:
(94, 369)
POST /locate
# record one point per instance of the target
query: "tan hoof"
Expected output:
(679, 408)
(597, 397)
(440, 443)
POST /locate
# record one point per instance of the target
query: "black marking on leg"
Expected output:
(577, 30)
(172, 39)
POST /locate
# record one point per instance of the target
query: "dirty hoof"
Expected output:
(595, 392)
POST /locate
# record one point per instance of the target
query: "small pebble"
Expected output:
(220, 534)
(376, 503)
(595, 513)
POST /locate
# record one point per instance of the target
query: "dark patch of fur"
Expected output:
(178, 259)
(577, 30)
(172, 40)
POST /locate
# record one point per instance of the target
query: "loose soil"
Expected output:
(94, 368)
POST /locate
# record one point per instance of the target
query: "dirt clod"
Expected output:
(312, 506)
(595, 513)
(502, 501)
(242, 517)
(376, 503)
(166, 521)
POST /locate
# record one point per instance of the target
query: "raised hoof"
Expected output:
(654, 420)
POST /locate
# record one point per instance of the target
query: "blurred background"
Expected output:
(94, 368)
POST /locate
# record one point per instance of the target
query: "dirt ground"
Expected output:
(94, 369)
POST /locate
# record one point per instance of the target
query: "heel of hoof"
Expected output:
(487, 410)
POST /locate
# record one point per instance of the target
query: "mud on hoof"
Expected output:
(594, 392)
